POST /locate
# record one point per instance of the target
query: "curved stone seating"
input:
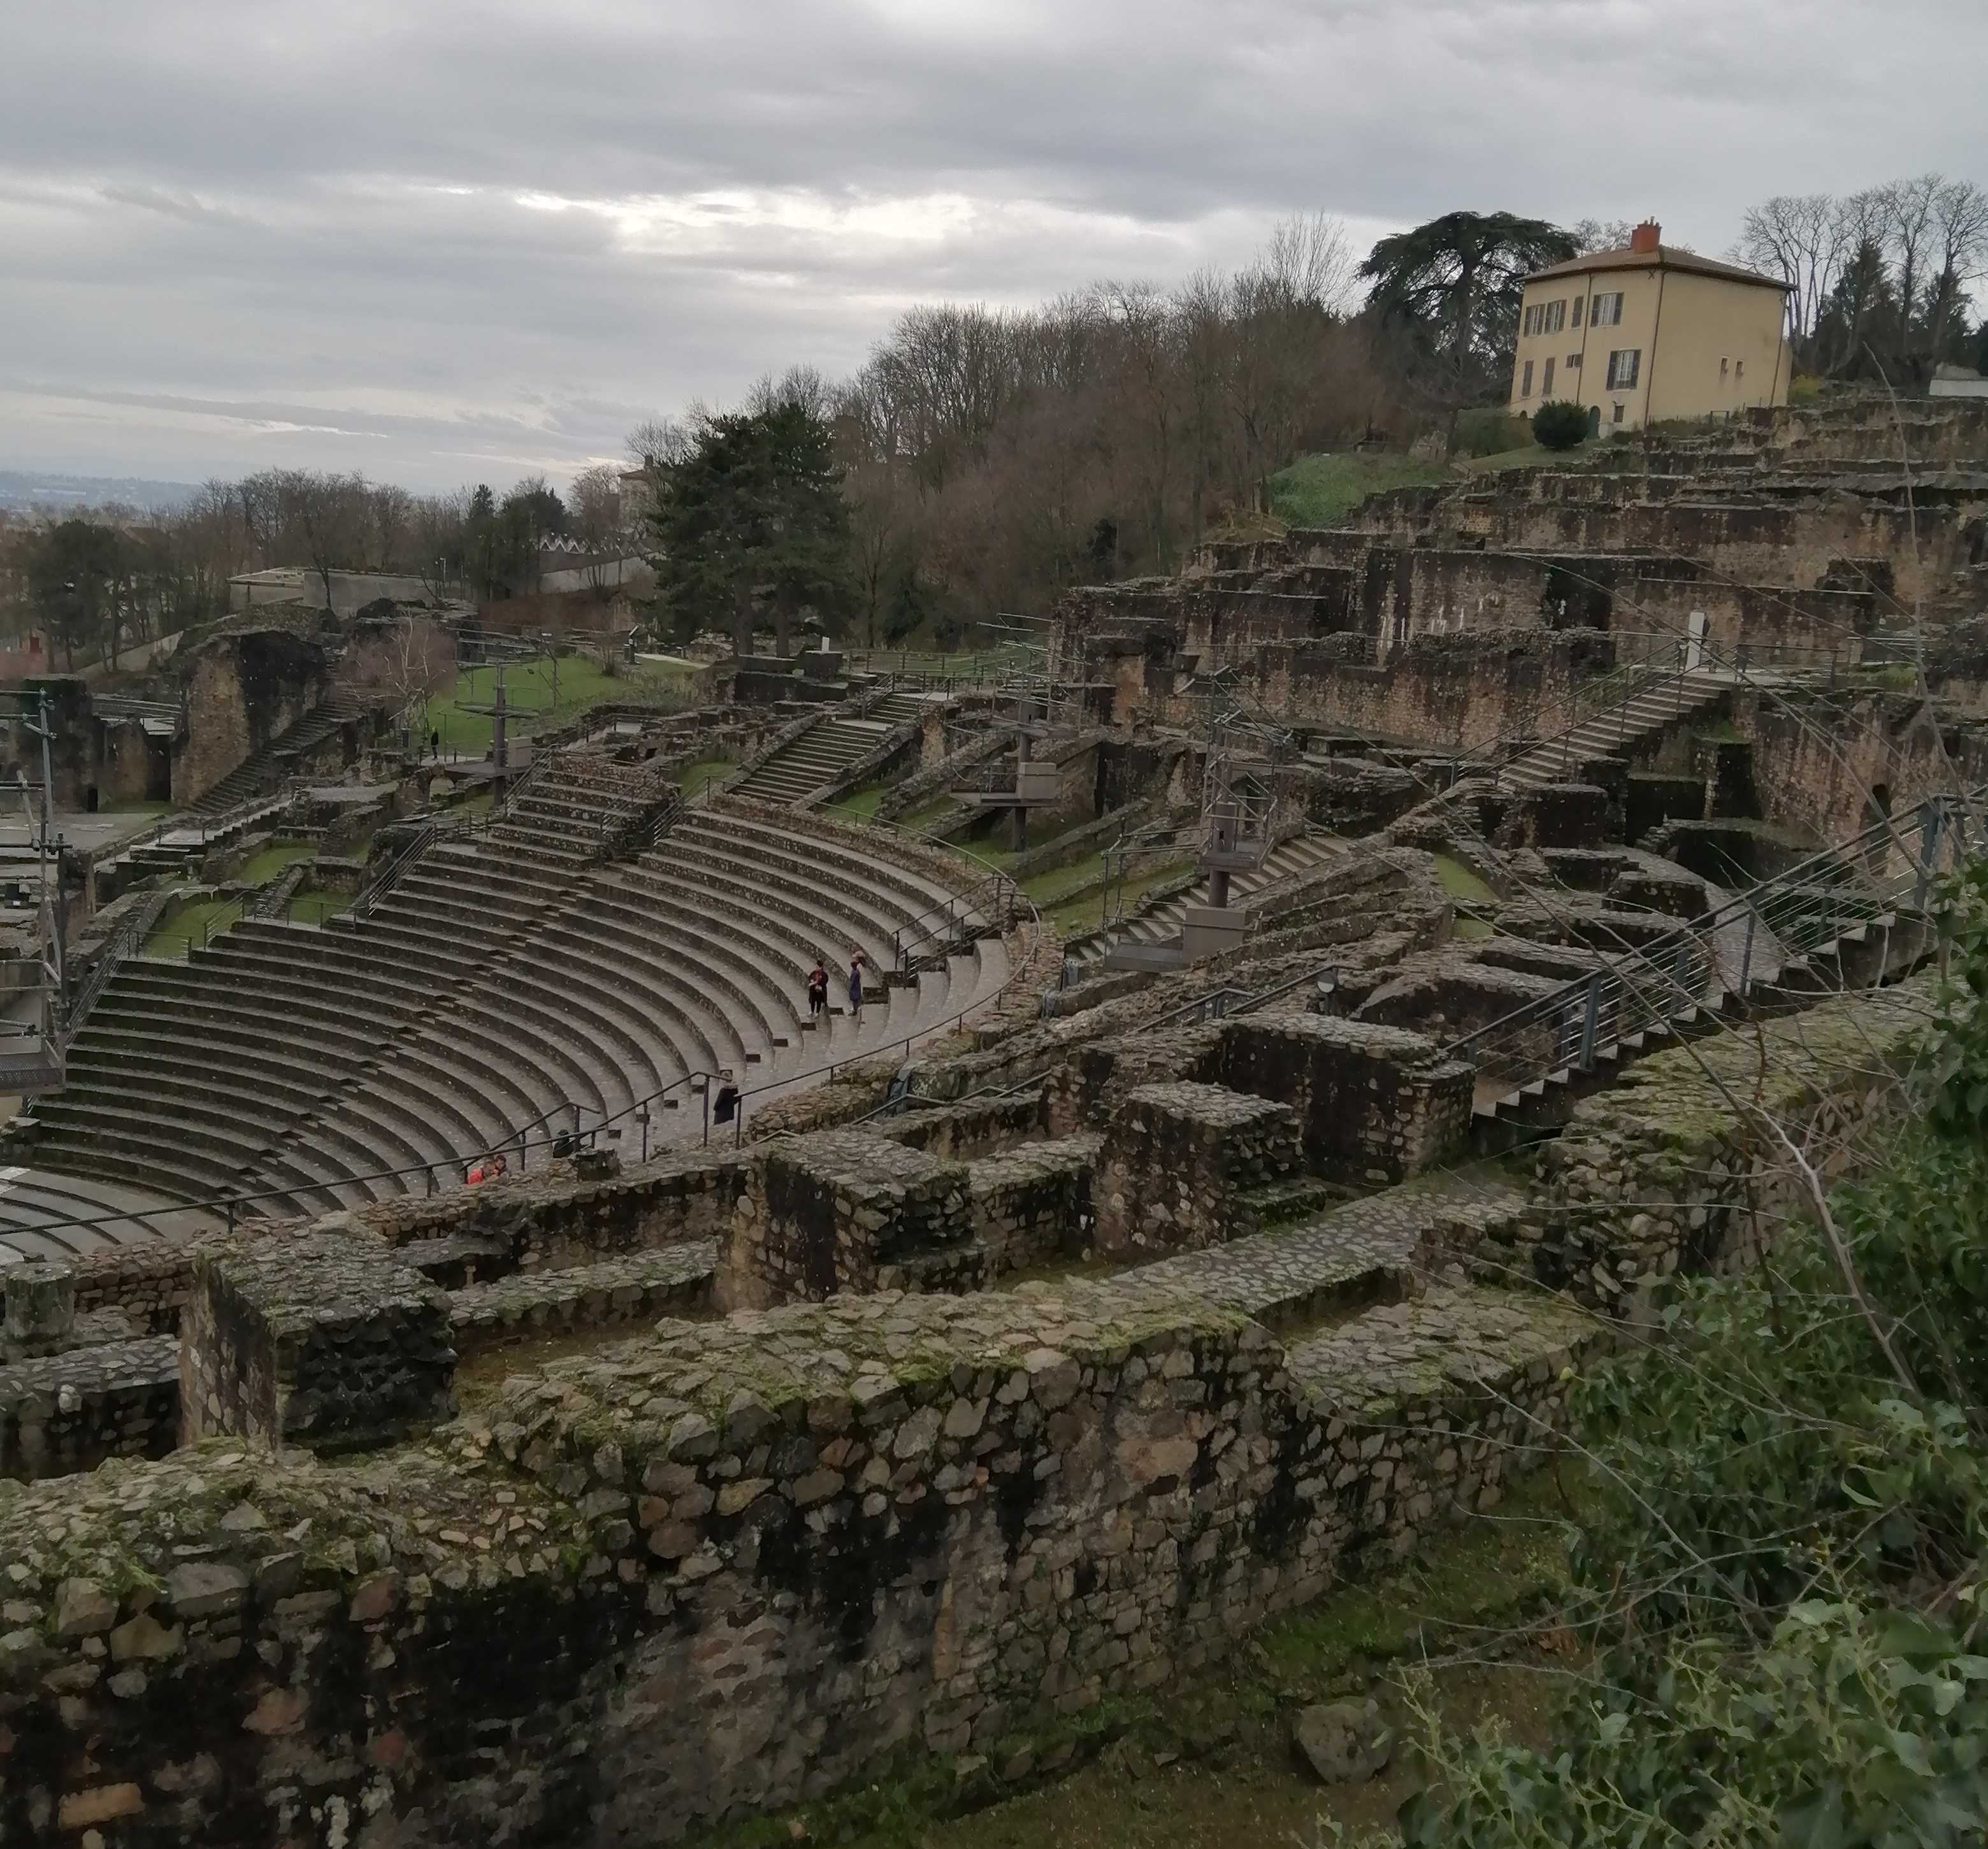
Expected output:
(501, 983)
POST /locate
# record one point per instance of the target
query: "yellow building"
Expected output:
(1648, 333)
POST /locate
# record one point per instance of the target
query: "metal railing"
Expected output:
(1786, 921)
(129, 935)
(1220, 1003)
(961, 918)
(1659, 663)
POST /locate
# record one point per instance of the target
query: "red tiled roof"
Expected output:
(1665, 256)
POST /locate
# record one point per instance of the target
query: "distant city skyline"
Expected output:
(449, 244)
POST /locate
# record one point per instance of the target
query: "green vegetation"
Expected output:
(315, 907)
(1487, 432)
(1459, 882)
(191, 923)
(860, 805)
(528, 695)
(693, 777)
(270, 861)
(1560, 424)
(1086, 912)
(1783, 1564)
(1321, 491)
(1532, 455)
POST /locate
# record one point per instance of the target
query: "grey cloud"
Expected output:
(273, 213)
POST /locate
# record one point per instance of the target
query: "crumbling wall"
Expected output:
(733, 1568)
(242, 689)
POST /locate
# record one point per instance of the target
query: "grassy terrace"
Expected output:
(1321, 491)
(528, 696)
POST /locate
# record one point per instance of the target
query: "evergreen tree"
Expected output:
(1452, 287)
(754, 505)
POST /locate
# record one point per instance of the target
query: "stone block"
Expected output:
(40, 1310)
(1366, 1096)
(323, 1342)
(843, 1210)
(1175, 1159)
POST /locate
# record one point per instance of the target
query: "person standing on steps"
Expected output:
(724, 1101)
(817, 990)
(856, 987)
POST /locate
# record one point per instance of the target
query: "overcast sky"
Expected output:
(442, 242)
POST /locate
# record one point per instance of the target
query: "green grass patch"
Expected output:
(1459, 882)
(926, 812)
(269, 862)
(1086, 913)
(1489, 1572)
(1321, 491)
(530, 706)
(860, 805)
(1053, 883)
(193, 923)
(1532, 456)
(692, 778)
(315, 907)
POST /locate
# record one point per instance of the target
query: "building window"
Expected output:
(1556, 316)
(1618, 414)
(1607, 311)
(1573, 363)
(1624, 365)
(1526, 381)
(1579, 302)
(1546, 378)
(1724, 366)
(1739, 371)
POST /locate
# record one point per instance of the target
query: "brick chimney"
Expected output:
(1646, 237)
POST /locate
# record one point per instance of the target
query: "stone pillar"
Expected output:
(40, 1310)
(1178, 1162)
(842, 1210)
(325, 1342)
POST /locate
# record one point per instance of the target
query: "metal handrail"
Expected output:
(1666, 659)
(1681, 963)
(130, 935)
(1220, 1003)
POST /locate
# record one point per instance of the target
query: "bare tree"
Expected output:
(1799, 238)
(1959, 239)
(409, 660)
(657, 441)
(594, 505)
(1310, 262)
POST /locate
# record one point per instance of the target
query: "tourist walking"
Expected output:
(724, 1102)
(817, 990)
(855, 985)
(488, 1170)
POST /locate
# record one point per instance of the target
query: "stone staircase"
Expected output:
(278, 759)
(826, 749)
(1644, 714)
(512, 980)
(1161, 923)
(1822, 927)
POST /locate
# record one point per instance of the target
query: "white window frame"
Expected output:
(1633, 356)
(1607, 311)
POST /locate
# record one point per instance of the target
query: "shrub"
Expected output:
(1560, 424)
(1489, 433)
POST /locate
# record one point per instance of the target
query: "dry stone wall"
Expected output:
(1658, 1175)
(730, 1567)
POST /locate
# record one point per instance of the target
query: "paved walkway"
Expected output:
(1347, 1255)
